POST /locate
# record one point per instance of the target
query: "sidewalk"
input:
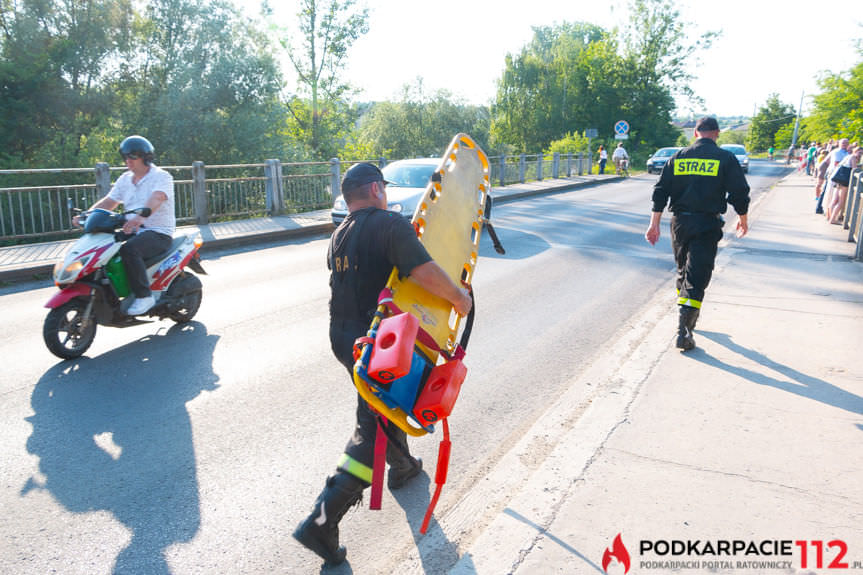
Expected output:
(753, 436)
(35, 260)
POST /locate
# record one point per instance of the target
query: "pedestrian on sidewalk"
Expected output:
(842, 179)
(810, 157)
(362, 253)
(697, 184)
(603, 158)
(821, 165)
(143, 185)
(836, 157)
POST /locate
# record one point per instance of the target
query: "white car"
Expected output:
(407, 182)
(740, 152)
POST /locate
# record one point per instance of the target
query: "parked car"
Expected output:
(741, 154)
(407, 182)
(656, 162)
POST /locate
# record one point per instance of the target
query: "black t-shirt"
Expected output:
(362, 253)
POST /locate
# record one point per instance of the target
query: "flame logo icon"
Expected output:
(618, 551)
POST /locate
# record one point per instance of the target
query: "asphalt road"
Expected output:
(197, 449)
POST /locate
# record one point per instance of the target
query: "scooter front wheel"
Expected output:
(65, 331)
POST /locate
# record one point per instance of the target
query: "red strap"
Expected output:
(440, 474)
(378, 467)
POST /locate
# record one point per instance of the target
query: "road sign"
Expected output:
(591, 133)
(621, 128)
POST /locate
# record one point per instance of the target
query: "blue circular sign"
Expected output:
(622, 127)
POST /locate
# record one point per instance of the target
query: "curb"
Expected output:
(41, 271)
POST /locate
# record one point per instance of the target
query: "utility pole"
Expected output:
(797, 122)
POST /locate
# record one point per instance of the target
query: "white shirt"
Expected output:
(134, 196)
(838, 155)
(619, 154)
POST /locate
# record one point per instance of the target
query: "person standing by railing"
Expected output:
(143, 185)
(842, 179)
(835, 157)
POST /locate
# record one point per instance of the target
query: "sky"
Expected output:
(766, 46)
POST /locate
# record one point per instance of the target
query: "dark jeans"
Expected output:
(361, 445)
(138, 248)
(694, 240)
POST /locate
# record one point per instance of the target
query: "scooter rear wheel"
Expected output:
(65, 332)
(188, 291)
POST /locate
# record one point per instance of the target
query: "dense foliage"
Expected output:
(203, 82)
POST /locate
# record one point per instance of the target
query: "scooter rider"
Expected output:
(143, 185)
(698, 183)
(363, 251)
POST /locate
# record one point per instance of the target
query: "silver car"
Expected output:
(740, 152)
(407, 182)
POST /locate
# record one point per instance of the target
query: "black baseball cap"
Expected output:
(360, 174)
(707, 124)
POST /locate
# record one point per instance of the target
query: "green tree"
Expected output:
(577, 76)
(771, 117)
(327, 30)
(55, 59)
(732, 137)
(658, 57)
(545, 91)
(76, 76)
(838, 110)
(569, 144)
(421, 124)
(203, 84)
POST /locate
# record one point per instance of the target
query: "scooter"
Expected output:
(94, 288)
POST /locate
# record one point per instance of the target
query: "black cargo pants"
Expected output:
(358, 458)
(694, 240)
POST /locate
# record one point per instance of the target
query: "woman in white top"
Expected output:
(846, 166)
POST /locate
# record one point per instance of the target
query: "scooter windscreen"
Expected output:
(100, 220)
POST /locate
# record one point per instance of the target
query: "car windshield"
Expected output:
(408, 175)
(736, 150)
(665, 152)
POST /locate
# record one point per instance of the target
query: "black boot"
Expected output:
(398, 476)
(685, 327)
(319, 532)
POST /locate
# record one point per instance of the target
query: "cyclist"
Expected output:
(620, 159)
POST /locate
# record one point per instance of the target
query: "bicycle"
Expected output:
(623, 168)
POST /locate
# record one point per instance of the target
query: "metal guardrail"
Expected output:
(34, 205)
(853, 220)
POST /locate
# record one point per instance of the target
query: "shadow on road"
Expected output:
(112, 433)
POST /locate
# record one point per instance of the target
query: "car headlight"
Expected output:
(340, 204)
(397, 208)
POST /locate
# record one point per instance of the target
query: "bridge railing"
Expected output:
(853, 220)
(37, 203)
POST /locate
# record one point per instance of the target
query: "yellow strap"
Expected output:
(355, 468)
(689, 302)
